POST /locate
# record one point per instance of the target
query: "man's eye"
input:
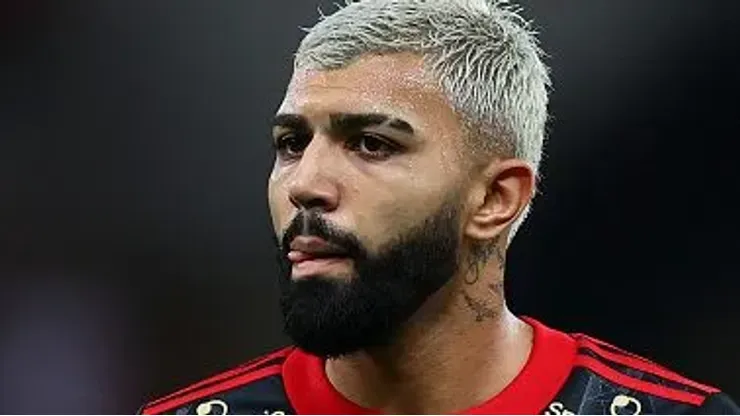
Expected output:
(372, 146)
(290, 145)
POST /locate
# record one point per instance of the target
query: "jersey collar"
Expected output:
(548, 366)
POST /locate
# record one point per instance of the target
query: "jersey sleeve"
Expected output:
(255, 387)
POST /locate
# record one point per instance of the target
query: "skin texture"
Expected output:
(462, 346)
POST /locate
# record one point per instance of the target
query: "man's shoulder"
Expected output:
(606, 379)
(254, 387)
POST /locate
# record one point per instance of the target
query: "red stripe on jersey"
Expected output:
(642, 364)
(615, 376)
(208, 391)
(244, 368)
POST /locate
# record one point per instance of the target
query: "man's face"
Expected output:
(366, 201)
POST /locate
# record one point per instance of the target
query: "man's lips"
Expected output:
(305, 248)
(301, 256)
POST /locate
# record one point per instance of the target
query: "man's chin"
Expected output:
(326, 341)
(325, 317)
(331, 343)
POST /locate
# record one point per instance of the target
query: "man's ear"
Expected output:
(499, 195)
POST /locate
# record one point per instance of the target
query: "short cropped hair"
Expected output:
(482, 53)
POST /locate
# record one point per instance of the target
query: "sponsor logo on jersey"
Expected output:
(212, 407)
(557, 408)
(625, 405)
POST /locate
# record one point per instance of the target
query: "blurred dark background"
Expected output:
(135, 250)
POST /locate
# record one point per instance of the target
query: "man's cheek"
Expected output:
(280, 221)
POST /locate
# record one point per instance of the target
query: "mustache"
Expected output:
(311, 223)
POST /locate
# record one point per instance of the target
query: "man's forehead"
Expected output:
(404, 69)
(370, 84)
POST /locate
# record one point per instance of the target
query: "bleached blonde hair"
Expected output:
(483, 54)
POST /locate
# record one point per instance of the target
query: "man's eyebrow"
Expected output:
(290, 121)
(344, 122)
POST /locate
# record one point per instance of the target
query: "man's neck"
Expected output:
(443, 365)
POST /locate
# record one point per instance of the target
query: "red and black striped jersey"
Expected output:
(565, 374)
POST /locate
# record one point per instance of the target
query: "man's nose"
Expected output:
(314, 183)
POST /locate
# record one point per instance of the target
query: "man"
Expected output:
(407, 150)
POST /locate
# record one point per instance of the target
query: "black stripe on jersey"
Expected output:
(619, 351)
(641, 374)
(247, 369)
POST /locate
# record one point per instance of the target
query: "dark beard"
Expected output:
(331, 317)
